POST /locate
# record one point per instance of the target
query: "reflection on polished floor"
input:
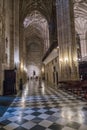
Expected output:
(44, 108)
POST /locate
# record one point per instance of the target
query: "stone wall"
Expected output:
(51, 71)
(2, 43)
(9, 35)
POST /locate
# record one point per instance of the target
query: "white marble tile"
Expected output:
(45, 123)
(28, 125)
(29, 111)
(47, 129)
(57, 114)
(43, 116)
(42, 110)
(29, 117)
(11, 126)
(62, 121)
(68, 128)
(14, 118)
(54, 109)
(16, 112)
(83, 127)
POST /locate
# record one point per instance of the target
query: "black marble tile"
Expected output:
(2, 110)
(12, 110)
(36, 113)
(5, 122)
(20, 122)
(47, 108)
(74, 125)
(22, 114)
(35, 109)
(55, 126)
(52, 118)
(37, 120)
(38, 127)
(20, 128)
(84, 108)
(2, 129)
(49, 112)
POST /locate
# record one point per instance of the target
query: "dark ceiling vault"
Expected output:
(43, 6)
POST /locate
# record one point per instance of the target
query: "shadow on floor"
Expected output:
(5, 102)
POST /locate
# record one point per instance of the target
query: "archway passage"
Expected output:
(34, 59)
(36, 35)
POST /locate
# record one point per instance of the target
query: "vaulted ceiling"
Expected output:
(35, 25)
(35, 16)
(80, 11)
(43, 6)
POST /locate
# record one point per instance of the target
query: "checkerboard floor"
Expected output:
(45, 108)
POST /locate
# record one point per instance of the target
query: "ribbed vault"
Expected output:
(80, 11)
(43, 6)
(36, 29)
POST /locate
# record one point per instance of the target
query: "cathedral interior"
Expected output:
(43, 64)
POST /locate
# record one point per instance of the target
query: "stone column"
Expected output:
(0, 47)
(2, 44)
(16, 40)
(83, 45)
(68, 66)
(12, 35)
(86, 41)
(21, 37)
(16, 32)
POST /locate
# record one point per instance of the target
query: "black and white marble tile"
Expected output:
(45, 108)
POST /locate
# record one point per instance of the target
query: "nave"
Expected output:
(44, 107)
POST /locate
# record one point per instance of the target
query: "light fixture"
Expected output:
(42, 70)
(79, 59)
(25, 69)
(22, 66)
(61, 59)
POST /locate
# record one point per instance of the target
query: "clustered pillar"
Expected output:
(68, 62)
